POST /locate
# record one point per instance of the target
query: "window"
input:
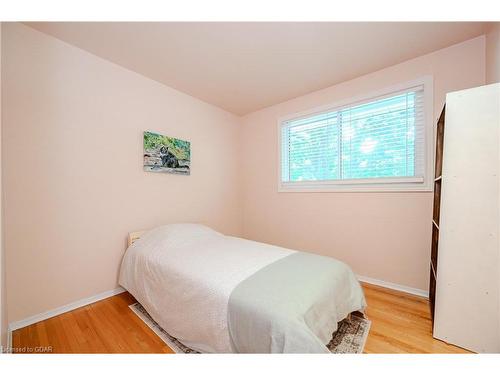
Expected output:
(377, 144)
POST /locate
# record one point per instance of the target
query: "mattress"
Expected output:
(193, 281)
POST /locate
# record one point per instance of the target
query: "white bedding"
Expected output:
(183, 275)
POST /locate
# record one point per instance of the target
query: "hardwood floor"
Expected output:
(400, 324)
(107, 326)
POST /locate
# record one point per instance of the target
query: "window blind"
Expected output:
(377, 139)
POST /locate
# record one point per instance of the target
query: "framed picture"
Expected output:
(166, 154)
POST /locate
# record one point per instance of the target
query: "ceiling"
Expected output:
(243, 67)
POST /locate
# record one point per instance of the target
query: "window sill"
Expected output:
(366, 185)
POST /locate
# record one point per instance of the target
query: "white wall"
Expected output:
(73, 178)
(385, 236)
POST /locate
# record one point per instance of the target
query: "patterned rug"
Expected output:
(350, 337)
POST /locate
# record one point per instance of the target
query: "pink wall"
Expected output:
(385, 236)
(73, 179)
(493, 53)
(3, 305)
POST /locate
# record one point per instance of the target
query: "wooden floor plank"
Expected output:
(401, 323)
(95, 344)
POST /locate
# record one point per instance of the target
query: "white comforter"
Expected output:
(183, 275)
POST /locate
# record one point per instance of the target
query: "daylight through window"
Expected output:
(380, 139)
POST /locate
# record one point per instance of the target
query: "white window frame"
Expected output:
(386, 184)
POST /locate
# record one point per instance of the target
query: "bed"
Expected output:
(222, 294)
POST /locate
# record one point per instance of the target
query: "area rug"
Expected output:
(350, 337)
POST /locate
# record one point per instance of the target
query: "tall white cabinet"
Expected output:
(467, 276)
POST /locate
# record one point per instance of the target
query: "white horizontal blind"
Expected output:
(382, 138)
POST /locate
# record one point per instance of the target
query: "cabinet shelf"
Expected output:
(436, 212)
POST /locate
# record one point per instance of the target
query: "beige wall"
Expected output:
(73, 179)
(3, 306)
(493, 53)
(380, 235)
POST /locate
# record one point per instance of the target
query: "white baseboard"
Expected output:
(389, 285)
(9, 341)
(60, 310)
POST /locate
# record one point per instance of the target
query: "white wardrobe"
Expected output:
(467, 274)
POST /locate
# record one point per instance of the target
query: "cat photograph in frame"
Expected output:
(164, 154)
